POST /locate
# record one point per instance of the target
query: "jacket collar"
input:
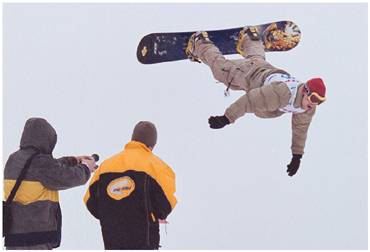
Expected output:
(137, 145)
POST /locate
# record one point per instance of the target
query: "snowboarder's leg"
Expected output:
(250, 43)
(201, 49)
(194, 40)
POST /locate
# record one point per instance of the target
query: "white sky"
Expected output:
(75, 65)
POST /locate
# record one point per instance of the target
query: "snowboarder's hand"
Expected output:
(294, 164)
(218, 122)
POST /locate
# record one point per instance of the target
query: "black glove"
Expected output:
(294, 164)
(218, 122)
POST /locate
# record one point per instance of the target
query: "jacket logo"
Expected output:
(120, 188)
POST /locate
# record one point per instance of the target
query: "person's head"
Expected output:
(313, 93)
(146, 133)
(40, 134)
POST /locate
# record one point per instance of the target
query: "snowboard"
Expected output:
(164, 47)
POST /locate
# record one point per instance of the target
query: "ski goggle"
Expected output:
(314, 97)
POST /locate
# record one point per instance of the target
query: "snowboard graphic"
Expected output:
(163, 47)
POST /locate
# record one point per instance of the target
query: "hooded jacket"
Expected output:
(128, 194)
(35, 208)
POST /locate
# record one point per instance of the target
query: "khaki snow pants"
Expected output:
(241, 74)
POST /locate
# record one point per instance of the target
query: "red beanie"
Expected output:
(316, 85)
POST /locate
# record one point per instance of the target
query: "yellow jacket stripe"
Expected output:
(30, 192)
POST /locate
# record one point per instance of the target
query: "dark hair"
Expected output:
(146, 133)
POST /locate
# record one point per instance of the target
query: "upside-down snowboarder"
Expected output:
(270, 92)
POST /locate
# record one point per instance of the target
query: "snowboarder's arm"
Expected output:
(265, 98)
(300, 125)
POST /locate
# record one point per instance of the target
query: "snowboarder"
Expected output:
(270, 91)
(132, 192)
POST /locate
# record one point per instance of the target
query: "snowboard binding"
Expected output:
(251, 32)
(190, 48)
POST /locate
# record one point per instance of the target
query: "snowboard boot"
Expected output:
(194, 39)
(253, 35)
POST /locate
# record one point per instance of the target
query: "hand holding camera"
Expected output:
(89, 161)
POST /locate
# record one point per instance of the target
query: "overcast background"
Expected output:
(76, 66)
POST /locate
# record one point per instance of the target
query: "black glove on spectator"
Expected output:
(218, 122)
(294, 164)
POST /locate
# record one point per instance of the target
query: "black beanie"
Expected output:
(146, 133)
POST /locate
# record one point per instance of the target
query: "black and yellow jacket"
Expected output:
(128, 194)
(35, 208)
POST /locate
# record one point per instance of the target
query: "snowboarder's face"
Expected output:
(306, 103)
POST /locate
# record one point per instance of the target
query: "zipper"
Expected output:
(147, 210)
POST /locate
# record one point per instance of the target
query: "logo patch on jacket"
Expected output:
(120, 188)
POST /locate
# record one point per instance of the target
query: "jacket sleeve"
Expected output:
(162, 191)
(67, 161)
(61, 174)
(265, 98)
(92, 195)
(300, 125)
(160, 204)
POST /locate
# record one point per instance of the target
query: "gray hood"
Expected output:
(39, 133)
